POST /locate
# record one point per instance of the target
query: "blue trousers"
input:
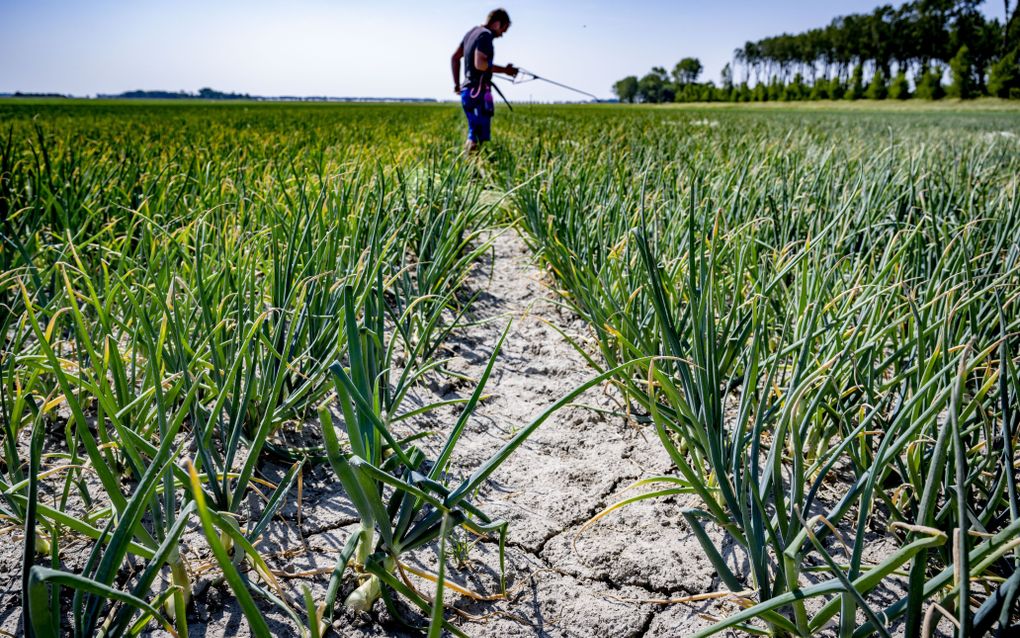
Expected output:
(479, 109)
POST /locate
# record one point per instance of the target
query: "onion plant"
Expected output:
(833, 356)
(163, 304)
(817, 314)
(404, 499)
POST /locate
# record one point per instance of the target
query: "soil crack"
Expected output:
(567, 471)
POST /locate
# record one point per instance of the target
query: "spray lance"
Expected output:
(523, 75)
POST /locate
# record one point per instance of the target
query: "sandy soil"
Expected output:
(600, 583)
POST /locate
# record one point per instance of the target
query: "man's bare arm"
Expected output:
(482, 64)
(455, 67)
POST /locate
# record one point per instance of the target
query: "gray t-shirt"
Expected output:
(480, 39)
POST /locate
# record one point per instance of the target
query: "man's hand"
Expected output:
(510, 70)
(456, 89)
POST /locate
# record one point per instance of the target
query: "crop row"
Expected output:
(183, 300)
(832, 315)
(816, 313)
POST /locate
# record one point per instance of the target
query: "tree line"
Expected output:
(203, 94)
(925, 49)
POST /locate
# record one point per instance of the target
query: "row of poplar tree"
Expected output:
(926, 49)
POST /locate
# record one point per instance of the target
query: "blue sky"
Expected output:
(384, 48)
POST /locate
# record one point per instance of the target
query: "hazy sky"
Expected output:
(385, 48)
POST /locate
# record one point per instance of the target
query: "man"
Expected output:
(476, 91)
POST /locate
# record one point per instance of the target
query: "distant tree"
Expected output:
(775, 89)
(687, 71)
(667, 89)
(914, 35)
(961, 69)
(796, 90)
(1004, 75)
(38, 95)
(1011, 30)
(876, 88)
(695, 92)
(928, 85)
(899, 88)
(650, 88)
(626, 89)
(855, 90)
(206, 93)
(726, 77)
(981, 37)
(819, 90)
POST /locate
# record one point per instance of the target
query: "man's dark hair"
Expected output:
(498, 15)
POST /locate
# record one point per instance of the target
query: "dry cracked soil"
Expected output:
(612, 579)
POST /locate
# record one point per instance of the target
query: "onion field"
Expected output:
(810, 315)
